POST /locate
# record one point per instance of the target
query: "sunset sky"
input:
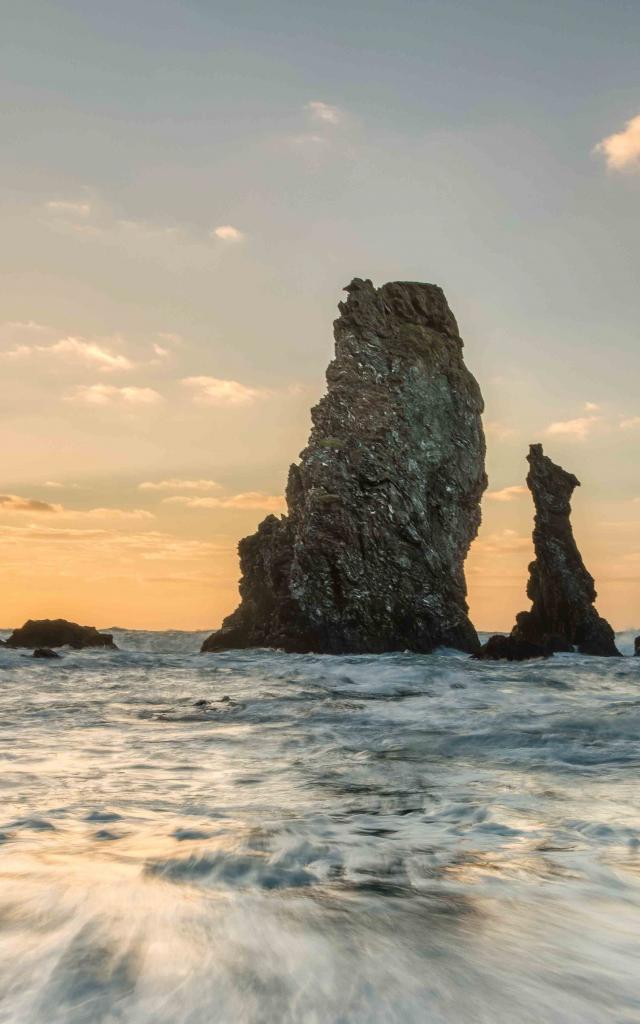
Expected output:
(186, 187)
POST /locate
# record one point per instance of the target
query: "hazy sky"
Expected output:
(185, 187)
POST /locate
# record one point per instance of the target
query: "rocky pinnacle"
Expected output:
(563, 593)
(385, 500)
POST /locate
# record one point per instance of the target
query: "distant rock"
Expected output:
(59, 633)
(636, 647)
(507, 648)
(45, 652)
(563, 615)
(385, 501)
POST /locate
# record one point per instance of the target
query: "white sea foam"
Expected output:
(279, 839)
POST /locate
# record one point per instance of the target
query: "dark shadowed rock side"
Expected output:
(385, 501)
(47, 633)
(562, 591)
(636, 647)
(507, 648)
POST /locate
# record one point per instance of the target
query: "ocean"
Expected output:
(266, 838)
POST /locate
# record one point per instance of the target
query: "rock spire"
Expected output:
(385, 501)
(563, 615)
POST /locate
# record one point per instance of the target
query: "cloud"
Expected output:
(591, 407)
(622, 149)
(499, 431)
(228, 233)
(578, 429)
(91, 352)
(324, 112)
(107, 394)
(74, 349)
(14, 503)
(251, 500)
(507, 493)
(630, 423)
(68, 208)
(506, 542)
(108, 513)
(214, 391)
(179, 485)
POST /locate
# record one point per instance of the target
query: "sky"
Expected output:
(186, 187)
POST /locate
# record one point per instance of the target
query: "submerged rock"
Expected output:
(563, 615)
(385, 501)
(508, 648)
(45, 652)
(59, 633)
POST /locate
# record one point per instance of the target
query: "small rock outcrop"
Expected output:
(385, 501)
(45, 652)
(59, 633)
(508, 648)
(636, 647)
(562, 615)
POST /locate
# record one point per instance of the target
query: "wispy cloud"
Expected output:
(17, 503)
(622, 149)
(630, 424)
(215, 391)
(97, 354)
(107, 394)
(507, 493)
(505, 542)
(14, 503)
(179, 485)
(591, 407)
(251, 500)
(576, 430)
(228, 233)
(325, 112)
(499, 431)
(69, 208)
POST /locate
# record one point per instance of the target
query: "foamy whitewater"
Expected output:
(265, 838)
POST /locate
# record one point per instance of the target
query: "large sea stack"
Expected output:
(385, 501)
(563, 615)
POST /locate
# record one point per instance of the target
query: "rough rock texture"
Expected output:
(561, 589)
(386, 499)
(508, 648)
(59, 633)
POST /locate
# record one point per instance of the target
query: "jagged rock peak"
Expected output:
(385, 501)
(563, 593)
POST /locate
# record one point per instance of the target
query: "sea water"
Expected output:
(284, 839)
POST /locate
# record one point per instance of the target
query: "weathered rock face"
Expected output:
(561, 589)
(386, 499)
(43, 633)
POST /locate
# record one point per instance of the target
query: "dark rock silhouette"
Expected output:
(59, 633)
(562, 591)
(508, 648)
(636, 646)
(385, 501)
(45, 652)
